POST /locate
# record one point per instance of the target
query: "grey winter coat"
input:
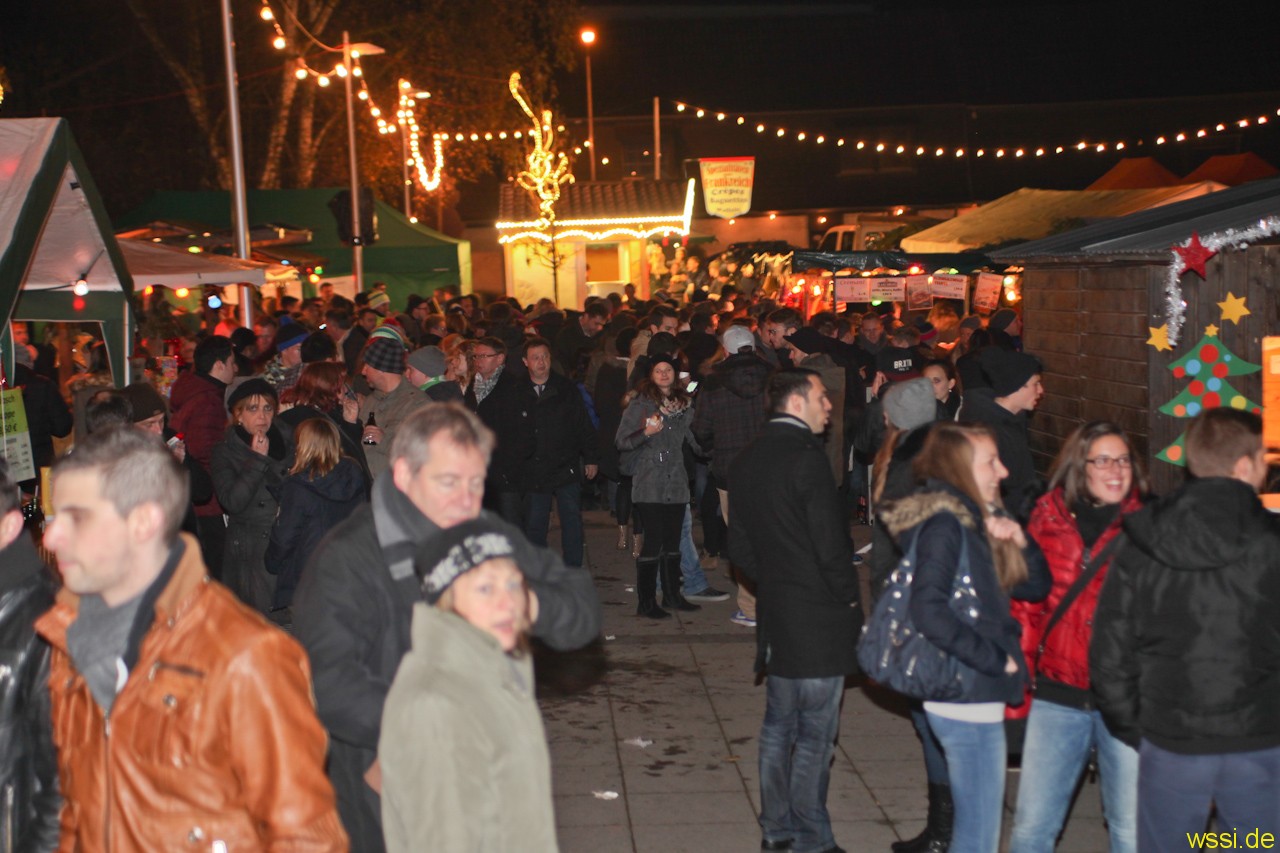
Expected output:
(463, 750)
(660, 476)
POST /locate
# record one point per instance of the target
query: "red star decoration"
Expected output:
(1194, 255)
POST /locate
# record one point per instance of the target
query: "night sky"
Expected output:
(746, 57)
(769, 56)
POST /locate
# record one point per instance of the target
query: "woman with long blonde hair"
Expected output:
(966, 542)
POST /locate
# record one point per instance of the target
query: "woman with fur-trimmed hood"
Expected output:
(959, 509)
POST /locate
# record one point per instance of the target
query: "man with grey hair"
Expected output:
(354, 605)
(154, 665)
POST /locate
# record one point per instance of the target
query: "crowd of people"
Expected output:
(294, 601)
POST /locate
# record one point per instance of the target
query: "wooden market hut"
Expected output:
(1094, 309)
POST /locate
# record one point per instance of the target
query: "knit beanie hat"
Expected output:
(255, 387)
(973, 321)
(662, 358)
(379, 301)
(242, 338)
(429, 360)
(384, 354)
(456, 550)
(808, 340)
(1007, 370)
(911, 404)
(145, 401)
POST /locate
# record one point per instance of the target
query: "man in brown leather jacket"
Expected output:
(182, 719)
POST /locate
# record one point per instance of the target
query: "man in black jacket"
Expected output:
(28, 761)
(566, 448)
(1006, 406)
(504, 402)
(1185, 658)
(789, 532)
(354, 603)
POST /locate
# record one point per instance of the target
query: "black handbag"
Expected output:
(893, 653)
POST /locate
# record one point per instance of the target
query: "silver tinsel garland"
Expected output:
(1175, 308)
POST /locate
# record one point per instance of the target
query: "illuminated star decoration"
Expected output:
(1194, 254)
(1159, 338)
(1233, 309)
(547, 170)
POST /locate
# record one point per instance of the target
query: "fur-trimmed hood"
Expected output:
(902, 515)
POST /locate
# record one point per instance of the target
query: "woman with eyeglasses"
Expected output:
(1097, 480)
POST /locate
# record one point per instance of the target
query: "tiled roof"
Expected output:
(598, 200)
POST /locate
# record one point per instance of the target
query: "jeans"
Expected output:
(975, 761)
(537, 520)
(935, 762)
(695, 580)
(1058, 742)
(797, 739)
(1174, 792)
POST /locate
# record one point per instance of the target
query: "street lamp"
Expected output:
(349, 53)
(588, 36)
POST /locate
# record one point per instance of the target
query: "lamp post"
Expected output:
(588, 36)
(351, 52)
(239, 207)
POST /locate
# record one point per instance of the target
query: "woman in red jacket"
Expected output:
(1097, 481)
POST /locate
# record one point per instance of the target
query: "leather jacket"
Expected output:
(29, 800)
(213, 737)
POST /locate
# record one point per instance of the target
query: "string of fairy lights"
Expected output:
(915, 149)
(429, 176)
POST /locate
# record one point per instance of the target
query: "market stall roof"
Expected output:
(1136, 173)
(408, 257)
(54, 233)
(1029, 214)
(1233, 169)
(961, 262)
(599, 210)
(155, 263)
(1152, 232)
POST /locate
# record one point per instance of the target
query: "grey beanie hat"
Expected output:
(430, 360)
(911, 404)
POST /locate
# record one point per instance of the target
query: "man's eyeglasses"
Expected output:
(1103, 463)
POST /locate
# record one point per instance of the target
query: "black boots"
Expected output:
(647, 590)
(936, 837)
(672, 598)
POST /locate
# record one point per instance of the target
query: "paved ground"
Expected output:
(686, 686)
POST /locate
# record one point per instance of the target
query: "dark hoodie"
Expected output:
(1186, 638)
(731, 410)
(309, 509)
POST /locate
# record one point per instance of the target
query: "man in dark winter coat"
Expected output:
(353, 606)
(504, 402)
(47, 414)
(1185, 658)
(580, 335)
(28, 762)
(566, 448)
(790, 533)
(1006, 406)
(729, 414)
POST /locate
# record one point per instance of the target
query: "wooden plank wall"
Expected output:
(1088, 325)
(1253, 273)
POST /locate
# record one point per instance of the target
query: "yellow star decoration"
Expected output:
(1159, 338)
(1211, 330)
(1233, 309)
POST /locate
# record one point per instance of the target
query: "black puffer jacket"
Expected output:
(940, 516)
(1186, 639)
(29, 800)
(309, 509)
(730, 410)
